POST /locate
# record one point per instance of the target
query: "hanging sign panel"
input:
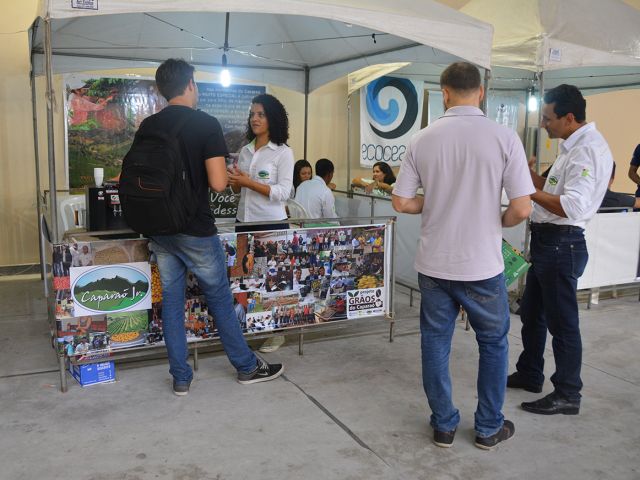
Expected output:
(103, 115)
(390, 114)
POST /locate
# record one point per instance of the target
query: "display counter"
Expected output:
(361, 204)
(612, 236)
(105, 295)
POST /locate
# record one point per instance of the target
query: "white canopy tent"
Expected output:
(594, 45)
(272, 42)
(539, 44)
(297, 44)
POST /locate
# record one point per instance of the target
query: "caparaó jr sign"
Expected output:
(111, 288)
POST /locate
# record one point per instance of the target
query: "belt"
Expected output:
(553, 228)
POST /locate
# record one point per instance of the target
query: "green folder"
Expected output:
(515, 264)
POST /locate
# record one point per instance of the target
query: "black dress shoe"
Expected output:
(517, 380)
(552, 404)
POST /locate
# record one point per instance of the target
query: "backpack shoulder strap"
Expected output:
(175, 131)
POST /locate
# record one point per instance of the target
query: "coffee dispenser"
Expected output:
(104, 211)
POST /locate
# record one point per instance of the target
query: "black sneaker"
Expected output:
(443, 439)
(505, 433)
(181, 389)
(517, 380)
(263, 373)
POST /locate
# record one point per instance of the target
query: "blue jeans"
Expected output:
(485, 301)
(205, 257)
(549, 301)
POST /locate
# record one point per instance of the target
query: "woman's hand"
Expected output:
(238, 178)
(369, 188)
(385, 187)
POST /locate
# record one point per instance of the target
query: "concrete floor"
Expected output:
(351, 408)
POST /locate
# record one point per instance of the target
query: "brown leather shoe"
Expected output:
(505, 433)
(443, 439)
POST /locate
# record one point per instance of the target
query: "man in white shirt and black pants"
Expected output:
(314, 195)
(564, 202)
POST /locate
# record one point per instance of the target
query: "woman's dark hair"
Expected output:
(276, 116)
(389, 177)
(297, 168)
(173, 76)
(567, 99)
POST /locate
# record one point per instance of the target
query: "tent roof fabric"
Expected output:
(331, 38)
(593, 44)
(542, 35)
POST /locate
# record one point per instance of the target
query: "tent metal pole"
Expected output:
(391, 294)
(34, 112)
(55, 238)
(526, 117)
(306, 109)
(539, 142)
(359, 56)
(487, 76)
(538, 149)
(349, 187)
(157, 62)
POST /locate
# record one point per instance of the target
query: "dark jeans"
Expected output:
(549, 302)
(486, 304)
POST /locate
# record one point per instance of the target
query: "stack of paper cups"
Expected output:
(98, 176)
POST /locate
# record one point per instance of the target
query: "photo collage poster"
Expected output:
(291, 278)
(103, 293)
(279, 279)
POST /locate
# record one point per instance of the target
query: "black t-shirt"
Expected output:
(202, 138)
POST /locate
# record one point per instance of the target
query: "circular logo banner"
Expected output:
(111, 288)
(403, 89)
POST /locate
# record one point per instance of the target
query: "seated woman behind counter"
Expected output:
(383, 179)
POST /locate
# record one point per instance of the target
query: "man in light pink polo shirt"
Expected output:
(463, 160)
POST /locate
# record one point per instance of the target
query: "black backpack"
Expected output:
(156, 191)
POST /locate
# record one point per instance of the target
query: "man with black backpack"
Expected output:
(177, 153)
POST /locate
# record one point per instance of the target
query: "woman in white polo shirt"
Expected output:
(264, 175)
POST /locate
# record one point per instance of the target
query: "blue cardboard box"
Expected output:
(93, 373)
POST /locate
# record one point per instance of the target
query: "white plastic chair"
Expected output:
(296, 210)
(67, 212)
